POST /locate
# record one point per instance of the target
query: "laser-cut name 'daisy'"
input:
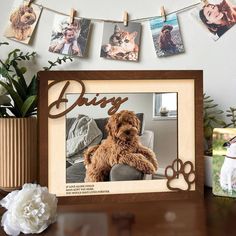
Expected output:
(114, 102)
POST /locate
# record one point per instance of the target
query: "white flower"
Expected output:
(30, 210)
(2, 89)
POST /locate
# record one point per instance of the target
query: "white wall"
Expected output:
(217, 59)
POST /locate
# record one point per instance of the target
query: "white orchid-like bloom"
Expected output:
(30, 210)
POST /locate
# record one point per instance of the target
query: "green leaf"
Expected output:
(4, 43)
(23, 70)
(211, 106)
(15, 97)
(28, 104)
(4, 72)
(20, 75)
(208, 131)
(33, 87)
(9, 59)
(15, 111)
(19, 89)
(208, 101)
(5, 100)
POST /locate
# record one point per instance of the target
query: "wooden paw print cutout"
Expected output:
(180, 176)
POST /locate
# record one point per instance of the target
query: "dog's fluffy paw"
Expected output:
(149, 169)
(180, 176)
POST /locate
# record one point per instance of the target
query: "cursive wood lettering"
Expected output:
(115, 102)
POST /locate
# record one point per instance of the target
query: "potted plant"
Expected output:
(211, 120)
(231, 113)
(18, 122)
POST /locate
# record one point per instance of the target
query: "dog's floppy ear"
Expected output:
(108, 127)
(112, 124)
(15, 15)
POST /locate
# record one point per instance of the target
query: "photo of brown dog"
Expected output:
(122, 146)
(22, 22)
(165, 39)
(166, 36)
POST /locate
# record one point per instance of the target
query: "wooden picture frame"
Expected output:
(184, 176)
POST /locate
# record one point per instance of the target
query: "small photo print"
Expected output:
(69, 38)
(224, 162)
(121, 42)
(166, 36)
(217, 16)
(22, 21)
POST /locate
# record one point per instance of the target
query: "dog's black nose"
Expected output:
(227, 144)
(127, 132)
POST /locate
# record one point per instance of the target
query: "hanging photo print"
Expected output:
(22, 21)
(224, 162)
(166, 36)
(121, 42)
(217, 16)
(69, 38)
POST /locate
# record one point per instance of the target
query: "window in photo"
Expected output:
(164, 106)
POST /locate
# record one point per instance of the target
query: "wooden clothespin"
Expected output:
(72, 15)
(205, 2)
(163, 13)
(29, 3)
(125, 18)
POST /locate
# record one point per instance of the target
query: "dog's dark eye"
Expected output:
(30, 10)
(119, 125)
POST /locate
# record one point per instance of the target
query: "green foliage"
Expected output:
(58, 61)
(16, 97)
(211, 121)
(232, 114)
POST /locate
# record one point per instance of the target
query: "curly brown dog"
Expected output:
(21, 21)
(122, 146)
(165, 40)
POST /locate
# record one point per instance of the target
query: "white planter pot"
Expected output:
(208, 171)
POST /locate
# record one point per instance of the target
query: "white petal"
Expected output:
(9, 199)
(8, 228)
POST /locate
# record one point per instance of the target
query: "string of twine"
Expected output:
(115, 21)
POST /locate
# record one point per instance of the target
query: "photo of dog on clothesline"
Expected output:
(224, 162)
(22, 21)
(119, 147)
(166, 36)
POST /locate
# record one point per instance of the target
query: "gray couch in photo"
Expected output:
(75, 172)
